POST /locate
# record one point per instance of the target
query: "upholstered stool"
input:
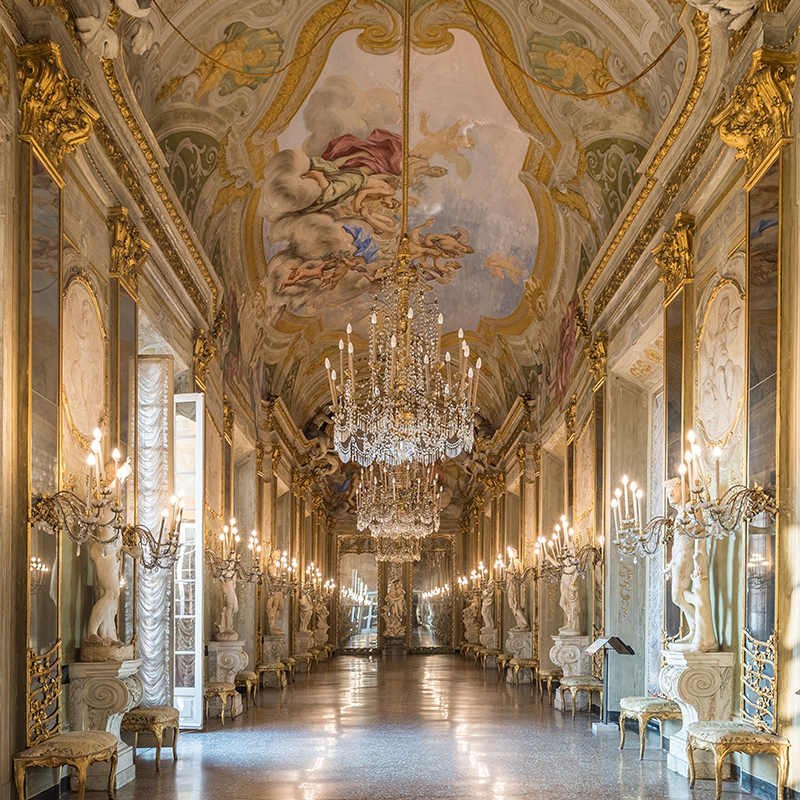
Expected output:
(486, 653)
(288, 664)
(223, 691)
(76, 749)
(581, 683)
(153, 719)
(548, 676)
(722, 738)
(644, 709)
(502, 662)
(517, 664)
(249, 680)
(276, 667)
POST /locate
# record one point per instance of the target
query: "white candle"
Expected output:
(341, 362)
(717, 455)
(625, 484)
(439, 339)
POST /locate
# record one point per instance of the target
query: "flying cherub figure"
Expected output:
(446, 142)
(500, 265)
(436, 251)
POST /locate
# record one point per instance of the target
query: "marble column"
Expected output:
(701, 684)
(100, 692)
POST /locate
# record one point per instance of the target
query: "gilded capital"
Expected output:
(675, 255)
(759, 114)
(205, 348)
(596, 354)
(569, 417)
(478, 503)
(227, 417)
(55, 114)
(276, 458)
(463, 524)
(261, 451)
(496, 483)
(537, 458)
(128, 249)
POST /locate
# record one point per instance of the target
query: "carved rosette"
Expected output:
(675, 255)
(596, 354)
(128, 249)
(569, 417)
(55, 114)
(759, 114)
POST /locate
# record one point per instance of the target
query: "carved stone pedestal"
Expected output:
(489, 638)
(273, 649)
(303, 642)
(225, 659)
(100, 693)
(700, 683)
(320, 637)
(394, 646)
(519, 644)
(567, 653)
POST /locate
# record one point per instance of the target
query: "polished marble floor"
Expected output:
(426, 727)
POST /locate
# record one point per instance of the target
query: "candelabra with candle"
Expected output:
(40, 576)
(228, 564)
(634, 537)
(514, 573)
(558, 554)
(100, 516)
(472, 586)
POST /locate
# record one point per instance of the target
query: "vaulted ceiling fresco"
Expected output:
(283, 138)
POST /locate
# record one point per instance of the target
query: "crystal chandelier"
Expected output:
(398, 501)
(410, 402)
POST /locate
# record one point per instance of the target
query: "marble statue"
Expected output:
(306, 610)
(322, 616)
(393, 609)
(275, 599)
(516, 591)
(102, 627)
(704, 640)
(230, 605)
(680, 567)
(570, 601)
(487, 605)
(470, 618)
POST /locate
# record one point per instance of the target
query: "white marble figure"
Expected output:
(102, 627)
(570, 601)
(516, 592)
(306, 610)
(275, 599)
(680, 567)
(470, 618)
(393, 609)
(487, 605)
(230, 605)
(322, 616)
(705, 640)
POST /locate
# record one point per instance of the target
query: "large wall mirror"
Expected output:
(357, 583)
(432, 579)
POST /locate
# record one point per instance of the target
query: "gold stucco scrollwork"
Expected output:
(537, 458)
(128, 249)
(55, 113)
(44, 694)
(205, 348)
(276, 458)
(597, 354)
(569, 417)
(496, 483)
(759, 114)
(674, 256)
(228, 416)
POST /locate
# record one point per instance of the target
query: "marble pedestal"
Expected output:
(700, 683)
(321, 639)
(394, 646)
(303, 642)
(273, 649)
(490, 638)
(519, 644)
(100, 692)
(225, 659)
(568, 653)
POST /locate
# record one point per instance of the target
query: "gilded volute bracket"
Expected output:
(55, 114)
(228, 417)
(597, 354)
(569, 418)
(675, 255)
(205, 348)
(758, 117)
(128, 249)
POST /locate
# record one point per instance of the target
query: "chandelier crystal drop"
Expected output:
(401, 550)
(412, 402)
(399, 502)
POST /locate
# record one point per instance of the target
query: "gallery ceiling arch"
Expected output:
(281, 125)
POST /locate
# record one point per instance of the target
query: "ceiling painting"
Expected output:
(293, 180)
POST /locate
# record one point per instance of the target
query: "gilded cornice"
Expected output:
(205, 348)
(674, 256)
(155, 177)
(648, 181)
(228, 417)
(596, 354)
(54, 112)
(569, 418)
(128, 249)
(759, 114)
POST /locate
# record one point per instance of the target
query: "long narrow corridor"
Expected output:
(418, 728)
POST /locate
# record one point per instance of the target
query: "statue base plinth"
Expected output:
(489, 638)
(226, 636)
(568, 653)
(303, 642)
(100, 694)
(472, 634)
(701, 684)
(320, 637)
(225, 659)
(394, 646)
(93, 653)
(519, 644)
